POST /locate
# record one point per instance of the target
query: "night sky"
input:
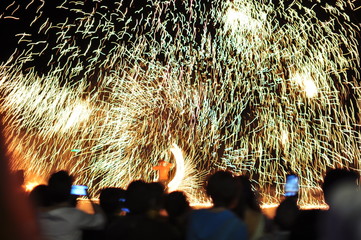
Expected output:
(18, 17)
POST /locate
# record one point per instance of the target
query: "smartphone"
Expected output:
(125, 210)
(79, 190)
(291, 186)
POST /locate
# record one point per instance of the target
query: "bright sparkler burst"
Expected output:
(250, 86)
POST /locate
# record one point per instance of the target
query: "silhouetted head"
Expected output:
(337, 177)
(222, 187)
(249, 200)
(59, 186)
(157, 195)
(250, 197)
(39, 196)
(138, 197)
(176, 204)
(286, 214)
(306, 225)
(112, 200)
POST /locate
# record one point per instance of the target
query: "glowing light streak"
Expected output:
(179, 175)
(307, 84)
(246, 85)
(30, 186)
(284, 137)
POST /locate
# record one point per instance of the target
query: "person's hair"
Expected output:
(286, 214)
(250, 196)
(249, 199)
(39, 196)
(176, 204)
(222, 187)
(112, 200)
(336, 176)
(138, 197)
(59, 186)
(157, 191)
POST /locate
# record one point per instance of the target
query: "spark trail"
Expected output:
(256, 87)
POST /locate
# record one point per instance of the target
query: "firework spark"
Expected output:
(249, 86)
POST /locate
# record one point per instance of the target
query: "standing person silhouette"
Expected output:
(163, 169)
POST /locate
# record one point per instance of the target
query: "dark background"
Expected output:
(18, 17)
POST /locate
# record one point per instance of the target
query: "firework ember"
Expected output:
(105, 89)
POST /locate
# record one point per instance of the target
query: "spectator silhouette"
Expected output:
(178, 209)
(218, 222)
(305, 226)
(63, 220)
(334, 179)
(139, 223)
(112, 201)
(342, 219)
(285, 219)
(248, 209)
(39, 197)
(157, 194)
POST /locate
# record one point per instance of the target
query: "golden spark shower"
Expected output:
(106, 89)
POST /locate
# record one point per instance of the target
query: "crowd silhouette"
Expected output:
(147, 211)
